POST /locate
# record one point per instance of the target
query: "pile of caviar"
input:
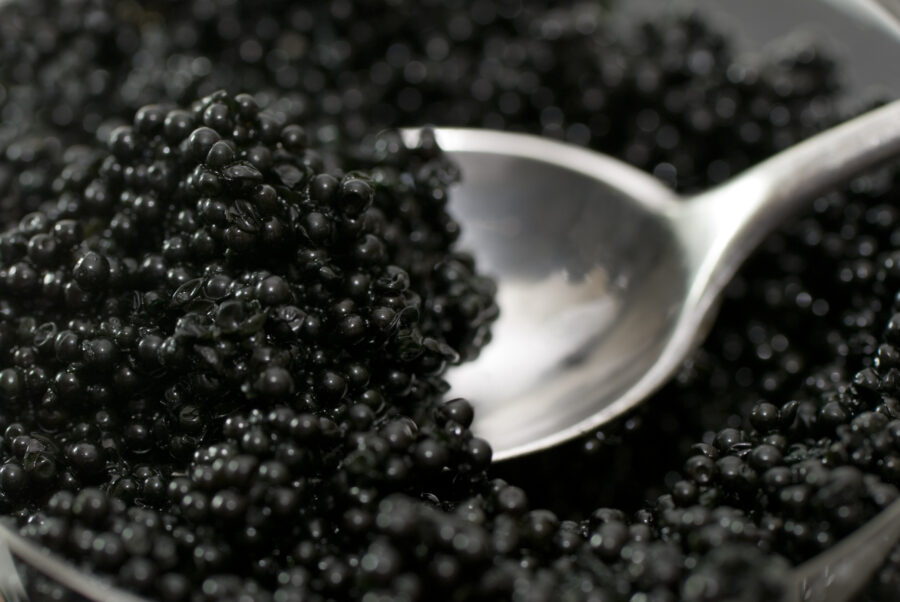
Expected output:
(224, 317)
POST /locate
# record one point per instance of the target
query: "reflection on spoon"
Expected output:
(538, 331)
(556, 223)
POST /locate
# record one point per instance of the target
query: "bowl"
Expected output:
(860, 33)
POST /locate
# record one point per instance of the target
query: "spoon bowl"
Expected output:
(606, 278)
(591, 284)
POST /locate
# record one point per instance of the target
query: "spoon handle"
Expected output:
(723, 225)
(839, 573)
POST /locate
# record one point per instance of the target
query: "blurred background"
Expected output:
(864, 33)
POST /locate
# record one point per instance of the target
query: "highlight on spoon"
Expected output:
(606, 279)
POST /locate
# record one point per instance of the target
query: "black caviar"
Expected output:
(224, 318)
(211, 334)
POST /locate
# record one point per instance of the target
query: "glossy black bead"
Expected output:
(201, 141)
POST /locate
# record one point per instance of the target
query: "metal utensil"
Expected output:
(606, 278)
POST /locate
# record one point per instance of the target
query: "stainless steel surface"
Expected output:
(605, 278)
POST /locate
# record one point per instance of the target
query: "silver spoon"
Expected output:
(606, 278)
